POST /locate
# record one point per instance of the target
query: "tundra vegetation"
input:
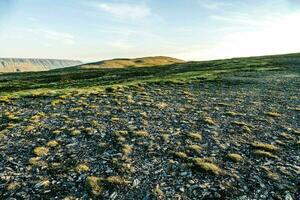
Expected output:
(224, 129)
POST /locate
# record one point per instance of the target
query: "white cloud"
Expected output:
(65, 38)
(212, 5)
(123, 10)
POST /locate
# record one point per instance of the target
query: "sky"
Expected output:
(92, 30)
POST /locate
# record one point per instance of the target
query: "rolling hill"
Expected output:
(136, 62)
(23, 65)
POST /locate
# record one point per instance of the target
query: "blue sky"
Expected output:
(92, 30)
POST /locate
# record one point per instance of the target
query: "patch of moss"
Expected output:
(40, 151)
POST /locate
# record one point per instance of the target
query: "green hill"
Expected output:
(136, 62)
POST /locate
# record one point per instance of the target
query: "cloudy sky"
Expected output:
(92, 30)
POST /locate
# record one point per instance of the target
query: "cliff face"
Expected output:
(22, 65)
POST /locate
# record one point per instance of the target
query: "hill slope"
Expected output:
(23, 65)
(136, 62)
(226, 129)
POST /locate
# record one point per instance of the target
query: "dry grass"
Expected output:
(81, 168)
(235, 157)
(40, 151)
(13, 186)
(75, 132)
(158, 193)
(273, 114)
(117, 180)
(141, 133)
(265, 147)
(181, 155)
(52, 144)
(204, 165)
(93, 185)
(195, 136)
(264, 154)
(126, 149)
(195, 148)
(233, 114)
(209, 121)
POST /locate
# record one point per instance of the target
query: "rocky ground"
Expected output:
(236, 138)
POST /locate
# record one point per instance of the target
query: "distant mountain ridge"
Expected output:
(30, 64)
(134, 62)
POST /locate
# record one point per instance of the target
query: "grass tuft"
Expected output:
(40, 151)
(204, 165)
(235, 157)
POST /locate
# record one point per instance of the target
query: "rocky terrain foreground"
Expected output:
(235, 137)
